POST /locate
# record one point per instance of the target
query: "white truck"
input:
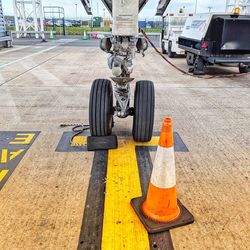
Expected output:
(172, 27)
(217, 38)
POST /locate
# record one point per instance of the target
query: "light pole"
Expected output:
(76, 11)
(227, 5)
(104, 19)
(196, 4)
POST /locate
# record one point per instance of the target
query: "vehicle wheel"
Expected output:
(199, 66)
(171, 54)
(144, 105)
(163, 48)
(6, 44)
(101, 108)
(190, 59)
(244, 68)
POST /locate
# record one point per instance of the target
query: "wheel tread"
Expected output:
(100, 107)
(144, 111)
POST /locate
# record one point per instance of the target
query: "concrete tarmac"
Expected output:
(43, 201)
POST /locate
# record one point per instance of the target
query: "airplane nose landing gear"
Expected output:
(122, 46)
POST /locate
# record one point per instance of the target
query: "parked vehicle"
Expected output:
(5, 36)
(59, 23)
(211, 38)
(76, 23)
(172, 28)
(49, 23)
(68, 24)
(10, 23)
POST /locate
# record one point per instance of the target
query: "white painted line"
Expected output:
(25, 57)
(16, 49)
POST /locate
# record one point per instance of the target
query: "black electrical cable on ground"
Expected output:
(183, 71)
(77, 129)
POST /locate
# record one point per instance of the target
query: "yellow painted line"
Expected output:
(82, 141)
(3, 174)
(22, 139)
(79, 141)
(13, 155)
(121, 227)
(4, 156)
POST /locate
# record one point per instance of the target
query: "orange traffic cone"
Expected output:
(161, 204)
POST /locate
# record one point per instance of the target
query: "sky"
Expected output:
(148, 11)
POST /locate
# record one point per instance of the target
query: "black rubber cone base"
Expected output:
(152, 227)
(95, 143)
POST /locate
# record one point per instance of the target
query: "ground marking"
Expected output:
(7, 155)
(12, 50)
(22, 139)
(109, 222)
(3, 173)
(13, 146)
(25, 57)
(121, 227)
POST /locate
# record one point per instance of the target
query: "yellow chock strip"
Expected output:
(79, 141)
(121, 227)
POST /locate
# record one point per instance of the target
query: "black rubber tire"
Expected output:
(199, 66)
(101, 108)
(189, 63)
(244, 69)
(144, 105)
(171, 54)
(163, 51)
(6, 44)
